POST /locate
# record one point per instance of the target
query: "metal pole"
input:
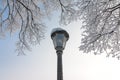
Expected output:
(59, 65)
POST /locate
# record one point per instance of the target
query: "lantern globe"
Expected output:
(59, 37)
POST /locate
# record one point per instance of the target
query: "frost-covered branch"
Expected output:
(102, 27)
(25, 17)
(69, 11)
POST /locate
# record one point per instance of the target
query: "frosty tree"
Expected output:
(26, 17)
(101, 22)
(102, 26)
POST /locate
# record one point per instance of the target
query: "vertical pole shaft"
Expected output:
(59, 66)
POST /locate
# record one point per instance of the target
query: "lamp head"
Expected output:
(59, 37)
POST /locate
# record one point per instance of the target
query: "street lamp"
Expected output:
(59, 37)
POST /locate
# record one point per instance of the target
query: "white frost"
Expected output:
(56, 29)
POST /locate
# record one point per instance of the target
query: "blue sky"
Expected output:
(41, 62)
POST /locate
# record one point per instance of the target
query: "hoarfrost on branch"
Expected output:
(101, 27)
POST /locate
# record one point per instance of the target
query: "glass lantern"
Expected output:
(59, 37)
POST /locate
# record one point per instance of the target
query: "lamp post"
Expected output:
(59, 37)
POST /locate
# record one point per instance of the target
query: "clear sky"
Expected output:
(41, 62)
